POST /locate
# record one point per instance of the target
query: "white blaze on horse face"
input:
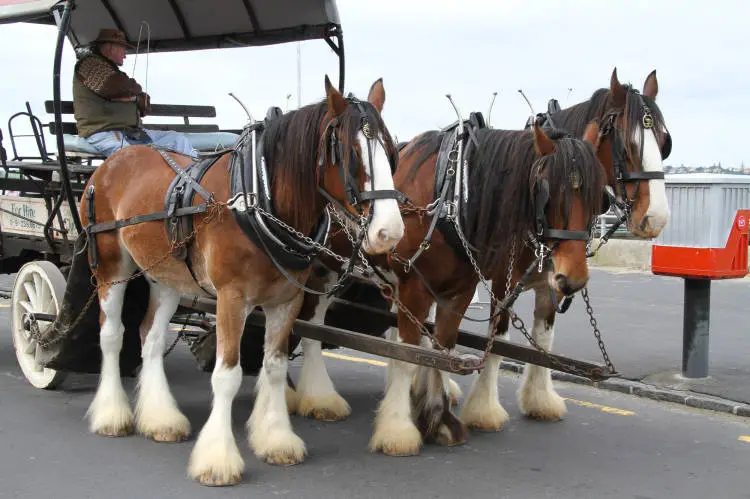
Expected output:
(387, 226)
(657, 215)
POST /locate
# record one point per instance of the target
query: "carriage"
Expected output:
(40, 231)
(55, 317)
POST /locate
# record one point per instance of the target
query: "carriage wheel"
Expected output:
(39, 287)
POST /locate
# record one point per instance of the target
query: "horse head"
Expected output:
(632, 144)
(358, 159)
(566, 183)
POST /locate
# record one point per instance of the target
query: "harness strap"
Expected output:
(184, 174)
(150, 217)
(382, 194)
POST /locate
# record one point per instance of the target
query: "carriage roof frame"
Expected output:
(176, 25)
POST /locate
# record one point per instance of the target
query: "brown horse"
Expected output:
(530, 194)
(333, 150)
(631, 156)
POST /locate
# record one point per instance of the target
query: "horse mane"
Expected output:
(577, 117)
(292, 147)
(502, 173)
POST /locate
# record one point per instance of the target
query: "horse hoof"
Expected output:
(329, 408)
(542, 405)
(447, 438)
(489, 418)
(280, 447)
(167, 435)
(115, 431)
(210, 479)
(402, 442)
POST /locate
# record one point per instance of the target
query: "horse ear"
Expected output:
(617, 90)
(336, 102)
(591, 135)
(544, 145)
(376, 97)
(651, 86)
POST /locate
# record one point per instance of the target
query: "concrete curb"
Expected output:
(689, 399)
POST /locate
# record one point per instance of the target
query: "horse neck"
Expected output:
(566, 118)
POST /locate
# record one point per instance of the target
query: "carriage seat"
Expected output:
(203, 137)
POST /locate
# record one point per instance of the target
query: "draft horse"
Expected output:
(632, 143)
(333, 151)
(531, 200)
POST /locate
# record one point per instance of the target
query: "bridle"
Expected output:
(620, 153)
(332, 146)
(541, 196)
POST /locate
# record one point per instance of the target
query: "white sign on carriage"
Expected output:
(27, 216)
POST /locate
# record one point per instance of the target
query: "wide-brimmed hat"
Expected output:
(115, 36)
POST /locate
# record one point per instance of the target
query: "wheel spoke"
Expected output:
(31, 292)
(39, 285)
(47, 303)
(27, 306)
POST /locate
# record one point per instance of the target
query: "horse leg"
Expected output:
(482, 410)
(395, 432)
(270, 430)
(537, 397)
(110, 413)
(454, 391)
(434, 416)
(316, 394)
(156, 412)
(215, 459)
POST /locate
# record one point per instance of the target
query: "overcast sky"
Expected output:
(425, 49)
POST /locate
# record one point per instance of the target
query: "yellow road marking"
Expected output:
(744, 439)
(355, 359)
(603, 408)
(582, 403)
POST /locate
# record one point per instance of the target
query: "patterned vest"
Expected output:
(95, 114)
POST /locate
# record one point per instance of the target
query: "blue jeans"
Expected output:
(110, 141)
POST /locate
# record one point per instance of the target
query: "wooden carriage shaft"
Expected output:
(409, 353)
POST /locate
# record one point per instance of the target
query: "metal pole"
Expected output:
(696, 318)
(64, 23)
(342, 61)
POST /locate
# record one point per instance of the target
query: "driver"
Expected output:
(109, 104)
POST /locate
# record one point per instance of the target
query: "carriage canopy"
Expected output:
(188, 24)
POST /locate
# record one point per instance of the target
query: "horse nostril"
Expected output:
(562, 284)
(383, 235)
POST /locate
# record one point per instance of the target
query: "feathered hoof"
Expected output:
(397, 440)
(545, 405)
(332, 407)
(282, 448)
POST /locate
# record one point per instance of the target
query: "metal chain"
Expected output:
(493, 298)
(386, 289)
(306, 239)
(597, 333)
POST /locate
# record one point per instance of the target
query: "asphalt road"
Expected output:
(610, 445)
